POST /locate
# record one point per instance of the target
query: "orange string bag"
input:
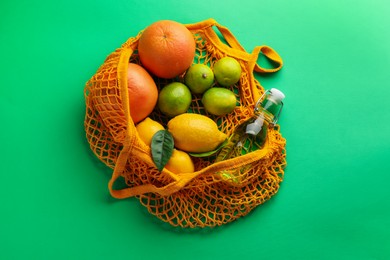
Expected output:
(201, 198)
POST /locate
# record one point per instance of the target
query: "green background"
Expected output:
(334, 200)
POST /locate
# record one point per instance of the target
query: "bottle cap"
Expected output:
(276, 95)
(255, 127)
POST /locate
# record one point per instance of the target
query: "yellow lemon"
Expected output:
(180, 162)
(147, 128)
(195, 133)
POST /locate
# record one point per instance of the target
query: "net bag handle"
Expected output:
(235, 48)
(269, 53)
(207, 25)
(181, 180)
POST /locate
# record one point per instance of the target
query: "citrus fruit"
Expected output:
(174, 99)
(219, 101)
(195, 133)
(147, 128)
(180, 162)
(227, 71)
(143, 92)
(166, 48)
(199, 78)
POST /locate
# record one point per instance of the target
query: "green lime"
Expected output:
(199, 78)
(219, 101)
(174, 99)
(227, 71)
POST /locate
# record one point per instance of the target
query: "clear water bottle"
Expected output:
(251, 134)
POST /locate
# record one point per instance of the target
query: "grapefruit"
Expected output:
(143, 92)
(166, 48)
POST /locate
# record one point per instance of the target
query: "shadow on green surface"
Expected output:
(240, 222)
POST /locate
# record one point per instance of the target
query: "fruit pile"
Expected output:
(166, 50)
(139, 124)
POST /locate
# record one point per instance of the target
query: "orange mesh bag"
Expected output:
(201, 198)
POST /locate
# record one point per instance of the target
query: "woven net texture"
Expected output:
(202, 198)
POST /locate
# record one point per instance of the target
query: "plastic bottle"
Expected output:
(251, 134)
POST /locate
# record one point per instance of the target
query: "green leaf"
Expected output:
(162, 148)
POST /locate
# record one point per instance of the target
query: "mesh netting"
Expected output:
(201, 198)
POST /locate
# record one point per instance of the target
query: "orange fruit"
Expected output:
(166, 48)
(143, 92)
